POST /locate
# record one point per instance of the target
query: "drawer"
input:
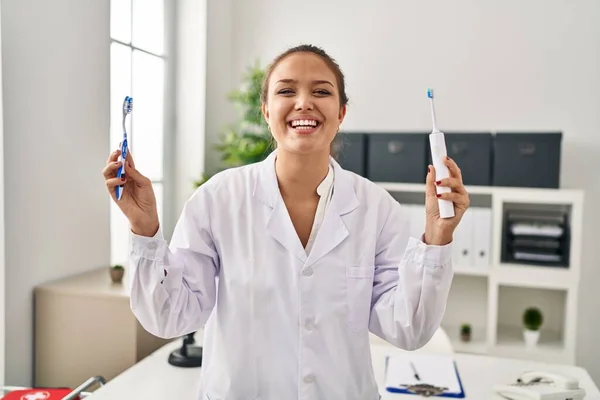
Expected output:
(349, 149)
(397, 157)
(472, 151)
(527, 159)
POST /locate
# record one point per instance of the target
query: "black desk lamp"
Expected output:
(188, 356)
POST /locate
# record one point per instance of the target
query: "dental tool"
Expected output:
(127, 107)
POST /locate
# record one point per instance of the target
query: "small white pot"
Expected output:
(531, 338)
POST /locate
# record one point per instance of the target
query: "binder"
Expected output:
(482, 237)
(423, 374)
(463, 242)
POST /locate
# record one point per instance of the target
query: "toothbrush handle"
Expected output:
(438, 153)
(121, 170)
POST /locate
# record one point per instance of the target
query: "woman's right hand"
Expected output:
(138, 201)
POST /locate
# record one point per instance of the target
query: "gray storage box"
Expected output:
(397, 157)
(349, 149)
(473, 154)
(527, 159)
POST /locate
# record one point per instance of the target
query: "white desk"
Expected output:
(153, 378)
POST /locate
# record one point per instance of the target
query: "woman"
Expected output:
(290, 262)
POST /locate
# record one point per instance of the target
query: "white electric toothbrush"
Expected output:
(438, 154)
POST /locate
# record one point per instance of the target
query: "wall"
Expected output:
(56, 142)
(495, 65)
(2, 244)
(223, 73)
(191, 42)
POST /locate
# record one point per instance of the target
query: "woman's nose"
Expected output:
(304, 101)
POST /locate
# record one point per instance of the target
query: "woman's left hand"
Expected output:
(439, 231)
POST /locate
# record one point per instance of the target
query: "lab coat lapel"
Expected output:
(334, 231)
(279, 224)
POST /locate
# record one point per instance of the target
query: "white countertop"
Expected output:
(154, 378)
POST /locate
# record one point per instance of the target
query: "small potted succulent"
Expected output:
(532, 321)
(465, 332)
(116, 273)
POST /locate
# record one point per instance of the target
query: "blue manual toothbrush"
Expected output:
(127, 107)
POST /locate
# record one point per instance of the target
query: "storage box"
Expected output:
(397, 157)
(472, 151)
(527, 159)
(349, 149)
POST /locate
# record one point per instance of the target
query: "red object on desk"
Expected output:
(38, 394)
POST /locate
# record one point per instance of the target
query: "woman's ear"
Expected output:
(342, 114)
(265, 112)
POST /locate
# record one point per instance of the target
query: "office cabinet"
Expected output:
(84, 327)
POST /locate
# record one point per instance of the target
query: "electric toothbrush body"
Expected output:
(437, 142)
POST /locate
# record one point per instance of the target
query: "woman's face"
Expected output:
(303, 104)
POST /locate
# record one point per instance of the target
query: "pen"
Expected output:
(415, 371)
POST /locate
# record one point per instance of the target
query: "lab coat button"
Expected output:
(152, 245)
(307, 272)
(309, 325)
(309, 379)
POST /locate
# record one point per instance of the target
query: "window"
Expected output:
(137, 67)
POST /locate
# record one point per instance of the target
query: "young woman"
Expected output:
(290, 262)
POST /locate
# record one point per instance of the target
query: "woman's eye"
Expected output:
(285, 91)
(323, 92)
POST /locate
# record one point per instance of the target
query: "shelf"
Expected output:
(510, 343)
(471, 271)
(477, 344)
(535, 276)
(512, 302)
(420, 188)
(490, 291)
(467, 304)
(517, 193)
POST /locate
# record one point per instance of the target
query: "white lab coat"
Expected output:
(281, 324)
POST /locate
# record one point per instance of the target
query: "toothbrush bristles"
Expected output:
(430, 93)
(128, 105)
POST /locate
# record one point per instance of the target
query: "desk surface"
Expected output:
(153, 377)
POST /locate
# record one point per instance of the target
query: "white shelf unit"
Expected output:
(491, 296)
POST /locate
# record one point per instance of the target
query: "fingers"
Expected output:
(452, 183)
(456, 198)
(461, 200)
(110, 169)
(130, 158)
(111, 183)
(430, 181)
(458, 195)
(133, 173)
(453, 168)
(114, 156)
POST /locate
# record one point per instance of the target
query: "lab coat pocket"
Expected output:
(359, 281)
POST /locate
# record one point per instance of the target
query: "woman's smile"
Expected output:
(304, 125)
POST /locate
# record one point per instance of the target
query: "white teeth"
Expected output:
(304, 123)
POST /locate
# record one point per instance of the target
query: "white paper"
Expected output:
(439, 371)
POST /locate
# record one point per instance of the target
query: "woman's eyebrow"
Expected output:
(295, 81)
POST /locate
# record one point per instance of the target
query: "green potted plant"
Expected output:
(532, 321)
(248, 140)
(116, 273)
(465, 332)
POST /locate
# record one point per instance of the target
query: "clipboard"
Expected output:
(424, 375)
